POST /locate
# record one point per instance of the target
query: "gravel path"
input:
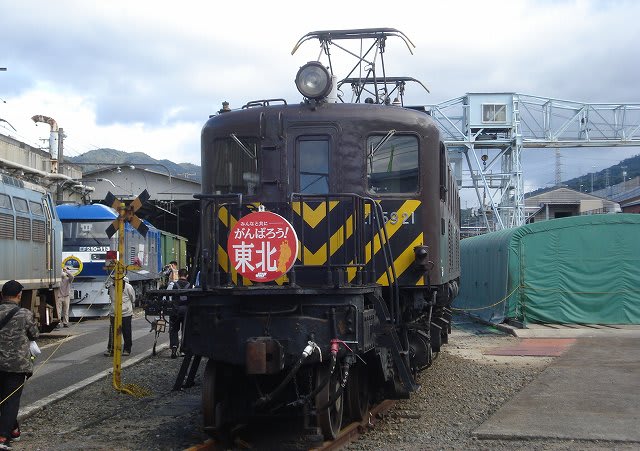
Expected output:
(462, 389)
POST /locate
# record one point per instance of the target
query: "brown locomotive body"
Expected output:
(368, 189)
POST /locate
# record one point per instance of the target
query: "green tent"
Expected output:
(581, 269)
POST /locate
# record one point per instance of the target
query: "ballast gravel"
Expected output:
(458, 392)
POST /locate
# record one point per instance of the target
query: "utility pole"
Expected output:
(558, 167)
(3, 69)
(59, 190)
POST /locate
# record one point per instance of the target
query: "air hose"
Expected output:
(311, 346)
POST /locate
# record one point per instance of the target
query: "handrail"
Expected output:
(336, 261)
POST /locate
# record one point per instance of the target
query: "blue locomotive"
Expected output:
(84, 248)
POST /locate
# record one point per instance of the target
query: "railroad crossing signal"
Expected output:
(128, 214)
(125, 214)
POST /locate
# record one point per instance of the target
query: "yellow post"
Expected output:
(117, 318)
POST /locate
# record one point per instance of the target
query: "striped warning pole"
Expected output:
(125, 214)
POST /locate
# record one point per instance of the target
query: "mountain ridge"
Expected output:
(627, 169)
(94, 158)
(103, 157)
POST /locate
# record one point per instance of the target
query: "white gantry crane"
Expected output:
(489, 131)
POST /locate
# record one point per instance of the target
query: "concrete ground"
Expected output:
(590, 392)
(75, 359)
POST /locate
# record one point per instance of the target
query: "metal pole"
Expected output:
(117, 319)
(60, 191)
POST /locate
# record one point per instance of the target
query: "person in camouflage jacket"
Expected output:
(15, 358)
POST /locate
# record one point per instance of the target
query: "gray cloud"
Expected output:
(169, 66)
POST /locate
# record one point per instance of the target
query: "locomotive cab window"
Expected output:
(392, 164)
(87, 233)
(313, 164)
(235, 165)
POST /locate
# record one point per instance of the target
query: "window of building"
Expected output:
(313, 164)
(494, 112)
(392, 165)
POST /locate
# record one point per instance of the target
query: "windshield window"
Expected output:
(393, 166)
(313, 160)
(86, 233)
(235, 166)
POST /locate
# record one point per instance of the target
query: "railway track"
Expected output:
(348, 434)
(353, 431)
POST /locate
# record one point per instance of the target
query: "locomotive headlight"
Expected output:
(313, 80)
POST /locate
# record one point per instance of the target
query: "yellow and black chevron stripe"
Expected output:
(314, 221)
(404, 232)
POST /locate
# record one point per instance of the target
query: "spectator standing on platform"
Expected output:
(63, 297)
(176, 320)
(128, 299)
(17, 329)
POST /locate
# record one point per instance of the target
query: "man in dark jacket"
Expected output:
(17, 329)
(176, 320)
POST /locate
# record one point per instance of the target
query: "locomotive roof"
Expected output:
(95, 212)
(327, 111)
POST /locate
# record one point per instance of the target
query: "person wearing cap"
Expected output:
(17, 329)
(63, 297)
(128, 300)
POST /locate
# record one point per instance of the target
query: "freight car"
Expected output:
(173, 248)
(330, 252)
(30, 246)
(84, 247)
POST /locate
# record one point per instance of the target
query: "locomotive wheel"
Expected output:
(357, 393)
(329, 418)
(214, 397)
(421, 354)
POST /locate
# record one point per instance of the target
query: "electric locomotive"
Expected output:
(84, 251)
(353, 300)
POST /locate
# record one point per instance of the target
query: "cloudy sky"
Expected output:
(144, 75)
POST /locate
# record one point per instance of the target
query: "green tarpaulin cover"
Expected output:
(582, 269)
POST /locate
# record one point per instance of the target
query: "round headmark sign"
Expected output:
(262, 246)
(73, 264)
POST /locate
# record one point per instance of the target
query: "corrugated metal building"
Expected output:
(583, 270)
